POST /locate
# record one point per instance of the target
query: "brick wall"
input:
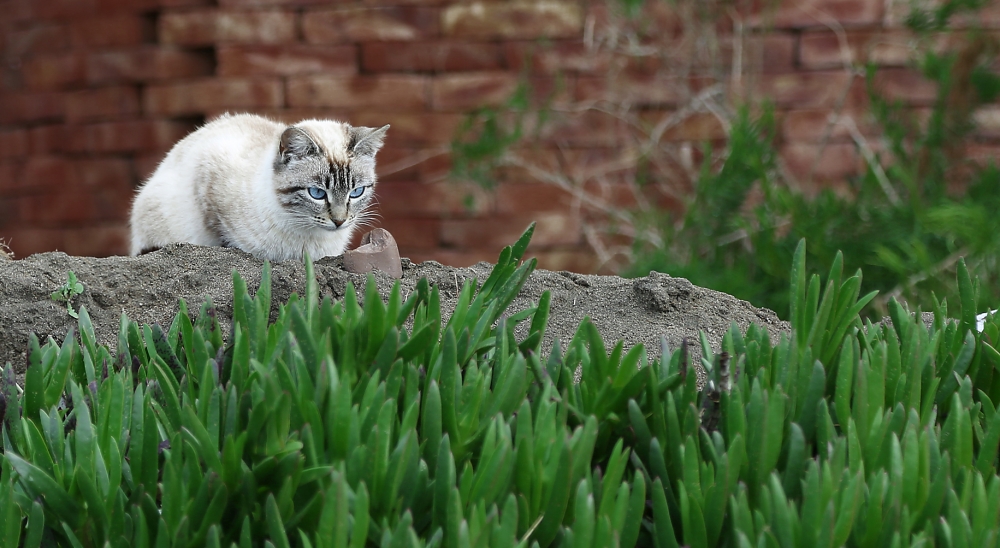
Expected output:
(94, 92)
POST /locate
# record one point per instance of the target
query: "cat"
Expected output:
(275, 191)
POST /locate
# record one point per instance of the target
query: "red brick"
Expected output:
(54, 70)
(213, 26)
(619, 195)
(129, 136)
(286, 60)
(601, 164)
(121, 136)
(198, 96)
(49, 138)
(40, 171)
(370, 24)
(62, 9)
(390, 92)
(835, 161)
(432, 56)
(815, 125)
(289, 115)
(10, 212)
(264, 3)
(18, 10)
(402, 164)
(35, 38)
(435, 168)
(183, 3)
(451, 257)
(658, 19)
(824, 49)
(98, 241)
(24, 241)
(692, 53)
(536, 163)
(815, 13)
(551, 229)
(105, 173)
(145, 163)
(588, 128)
(775, 52)
(987, 119)
(10, 179)
(635, 88)
(412, 128)
(412, 233)
(112, 30)
(982, 154)
(23, 107)
(102, 103)
(513, 20)
(74, 9)
(459, 92)
(515, 198)
(805, 89)
(14, 143)
(556, 92)
(64, 206)
(906, 85)
(555, 57)
(571, 260)
(653, 20)
(76, 191)
(415, 199)
(146, 64)
(699, 126)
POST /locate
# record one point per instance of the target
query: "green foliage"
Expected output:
(378, 423)
(906, 221)
(67, 292)
(484, 136)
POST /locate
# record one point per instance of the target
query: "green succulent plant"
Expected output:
(374, 421)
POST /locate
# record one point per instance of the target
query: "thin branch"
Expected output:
(869, 155)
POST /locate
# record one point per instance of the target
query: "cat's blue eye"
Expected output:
(357, 192)
(316, 193)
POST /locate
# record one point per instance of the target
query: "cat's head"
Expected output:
(324, 173)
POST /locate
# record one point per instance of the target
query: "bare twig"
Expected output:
(869, 155)
(412, 160)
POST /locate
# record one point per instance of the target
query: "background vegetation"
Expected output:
(731, 221)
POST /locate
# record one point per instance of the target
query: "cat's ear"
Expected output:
(295, 145)
(366, 141)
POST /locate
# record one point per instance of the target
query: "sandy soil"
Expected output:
(147, 289)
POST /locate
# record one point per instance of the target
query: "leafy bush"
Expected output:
(918, 207)
(731, 219)
(381, 424)
(906, 222)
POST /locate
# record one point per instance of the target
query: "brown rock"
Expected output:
(378, 251)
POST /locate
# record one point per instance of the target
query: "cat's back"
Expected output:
(230, 137)
(228, 149)
(197, 176)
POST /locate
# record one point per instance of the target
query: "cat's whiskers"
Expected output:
(367, 217)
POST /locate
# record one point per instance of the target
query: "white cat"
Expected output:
(272, 190)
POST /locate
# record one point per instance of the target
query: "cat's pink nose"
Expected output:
(338, 222)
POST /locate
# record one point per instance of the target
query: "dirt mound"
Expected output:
(147, 289)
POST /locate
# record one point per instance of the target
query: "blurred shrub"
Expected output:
(919, 206)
